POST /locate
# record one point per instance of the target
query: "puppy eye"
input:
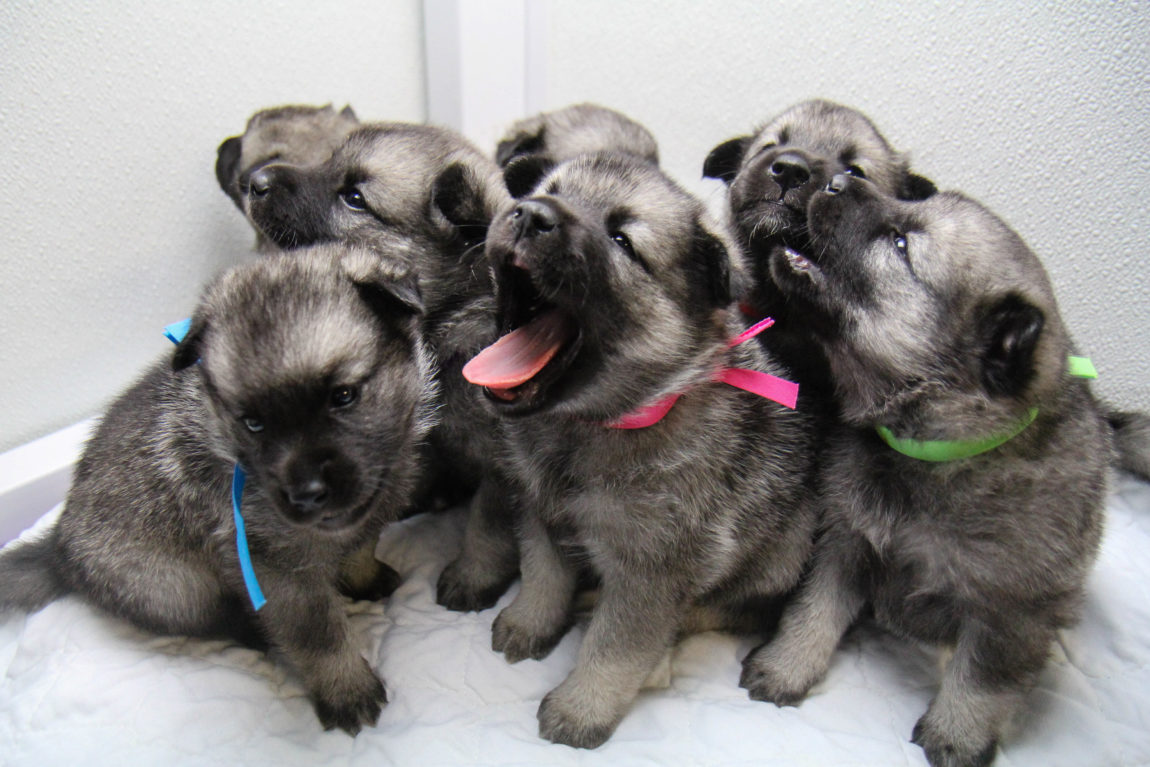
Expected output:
(342, 396)
(353, 198)
(624, 242)
(254, 425)
(856, 171)
(900, 243)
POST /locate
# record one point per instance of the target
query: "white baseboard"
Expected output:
(35, 477)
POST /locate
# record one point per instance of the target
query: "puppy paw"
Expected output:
(574, 720)
(354, 705)
(945, 749)
(463, 592)
(768, 678)
(517, 641)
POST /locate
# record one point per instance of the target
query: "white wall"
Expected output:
(111, 112)
(1040, 110)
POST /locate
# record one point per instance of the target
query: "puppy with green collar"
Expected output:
(963, 490)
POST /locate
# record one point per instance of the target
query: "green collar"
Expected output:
(953, 450)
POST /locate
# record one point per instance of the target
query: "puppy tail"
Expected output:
(1132, 438)
(28, 576)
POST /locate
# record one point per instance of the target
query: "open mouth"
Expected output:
(539, 343)
(793, 270)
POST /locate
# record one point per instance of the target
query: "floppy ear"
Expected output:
(522, 144)
(1010, 332)
(348, 113)
(724, 160)
(227, 164)
(188, 349)
(389, 288)
(709, 270)
(915, 187)
(460, 196)
(524, 173)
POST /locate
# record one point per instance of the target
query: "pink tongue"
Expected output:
(518, 356)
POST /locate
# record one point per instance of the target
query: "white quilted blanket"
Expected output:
(80, 688)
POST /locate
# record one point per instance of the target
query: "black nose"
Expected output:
(838, 183)
(790, 170)
(260, 183)
(308, 496)
(534, 217)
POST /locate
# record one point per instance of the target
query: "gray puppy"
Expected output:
(297, 135)
(964, 490)
(534, 145)
(430, 191)
(771, 175)
(312, 376)
(614, 294)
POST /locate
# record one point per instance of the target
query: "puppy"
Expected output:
(536, 144)
(430, 191)
(308, 372)
(964, 489)
(297, 135)
(771, 175)
(613, 290)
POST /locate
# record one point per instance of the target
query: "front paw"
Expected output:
(945, 749)
(458, 591)
(352, 705)
(768, 677)
(518, 641)
(580, 722)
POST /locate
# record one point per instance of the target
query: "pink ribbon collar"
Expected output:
(765, 385)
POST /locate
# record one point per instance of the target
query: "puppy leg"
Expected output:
(489, 560)
(540, 615)
(306, 620)
(362, 576)
(984, 685)
(633, 626)
(784, 670)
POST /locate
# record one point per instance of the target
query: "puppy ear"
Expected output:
(1011, 330)
(724, 160)
(227, 165)
(522, 144)
(390, 288)
(915, 187)
(523, 174)
(348, 113)
(188, 349)
(709, 270)
(460, 196)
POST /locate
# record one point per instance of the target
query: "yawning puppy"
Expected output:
(301, 390)
(676, 490)
(964, 491)
(771, 175)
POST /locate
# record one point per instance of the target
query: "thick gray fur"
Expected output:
(147, 530)
(294, 134)
(771, 174)
(940, 323)
(707, 510)
(430, 191)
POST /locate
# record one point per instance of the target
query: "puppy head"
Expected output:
(773, 173)
(934, 306)
(297, 135)
(316, 377)
(424, 181)
(611, 285)
(533, 146)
